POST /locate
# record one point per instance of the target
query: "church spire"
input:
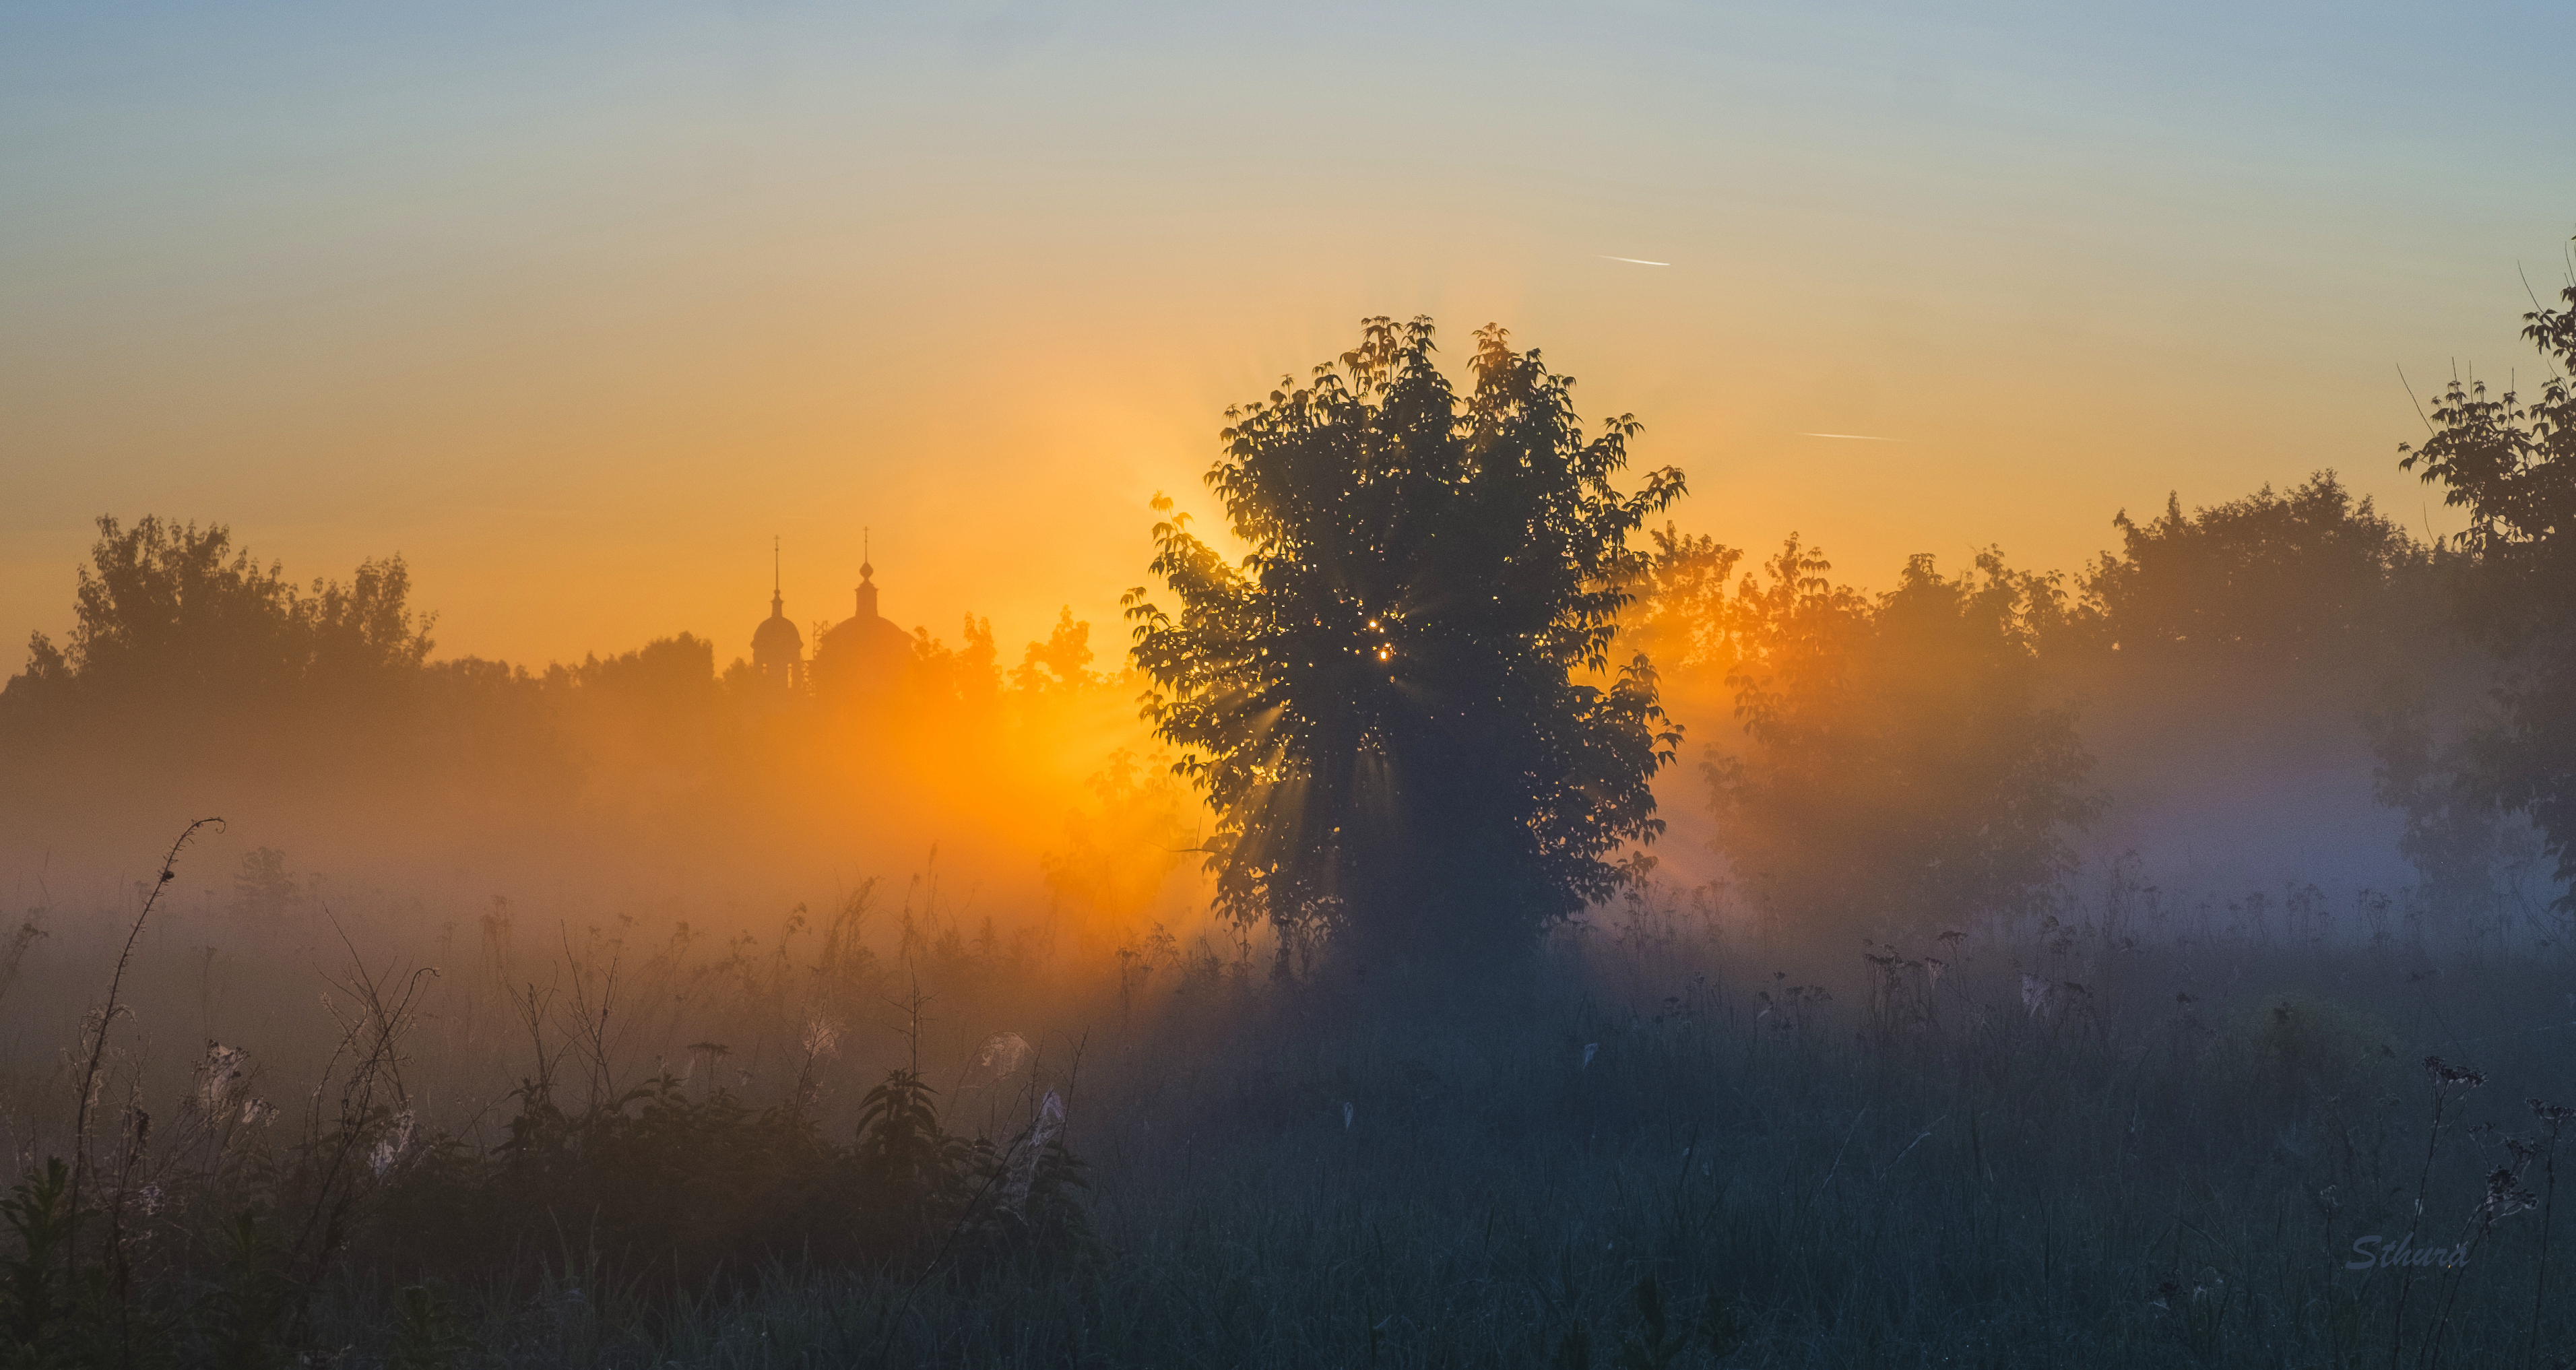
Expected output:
(777, 649)
(867, 597)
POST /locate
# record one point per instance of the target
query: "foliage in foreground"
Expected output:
(2043, 1145)
(234, 1258)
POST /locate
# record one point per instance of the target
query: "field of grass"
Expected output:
(2082, 1140)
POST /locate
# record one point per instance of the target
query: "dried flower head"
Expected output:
(822, 1035)
(2443, 1073)
(1003, 1054)
(223, 1068)
(2504, 1197)
(1043, 1133)
(392, 1144)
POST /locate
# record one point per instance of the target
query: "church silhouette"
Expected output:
(862, 656)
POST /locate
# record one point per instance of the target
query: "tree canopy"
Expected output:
(2308, 576)
(166, 611)
(1899, 767)
(2512, 466)
(1401, 701)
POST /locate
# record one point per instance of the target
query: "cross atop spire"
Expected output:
(777, 649)
(866, 571)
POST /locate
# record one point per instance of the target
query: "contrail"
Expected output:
(1855, 437)
(1634, 261)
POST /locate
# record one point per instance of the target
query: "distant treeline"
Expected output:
(194, 669)
(174, 622)
(1907, 758)
(1913, 756)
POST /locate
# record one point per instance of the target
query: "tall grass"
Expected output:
(2091, 1138)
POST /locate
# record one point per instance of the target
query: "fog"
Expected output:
(873, 973)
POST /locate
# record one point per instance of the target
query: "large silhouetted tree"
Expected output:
(1402, 702)
(2512, 466)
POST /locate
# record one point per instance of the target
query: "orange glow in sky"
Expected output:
(576, 311)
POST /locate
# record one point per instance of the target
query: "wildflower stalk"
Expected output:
(2504, 1198)
(98, 1040)
(2444, 1076)
(2553, 1118)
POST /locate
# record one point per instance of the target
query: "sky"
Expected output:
(576, 306)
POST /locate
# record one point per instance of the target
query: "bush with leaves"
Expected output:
(56, 1309)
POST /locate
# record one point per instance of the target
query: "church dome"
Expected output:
(776, 639)
(866, 653)
(777, 649)
(874, 640)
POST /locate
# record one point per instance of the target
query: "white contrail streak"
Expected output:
(1634, 261)
(1854, 437)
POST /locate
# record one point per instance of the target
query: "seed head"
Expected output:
(821, 1036)
(391, 1146)
(1003, 1054)
(223, 1068)
(2444, 1073)
(2504, 1197)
